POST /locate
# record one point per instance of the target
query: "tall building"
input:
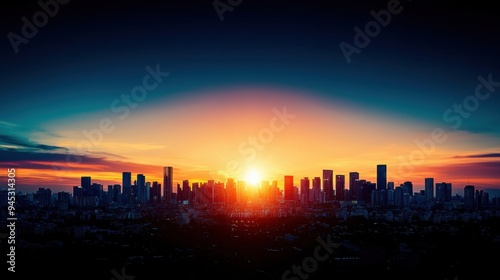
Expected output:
(116, 193)
(447, 193)
(241, 196)
(316, 186)
(168, 183)
(230, 191)
(407, 187)
(481, 199)
(328, 184)
(43, 197)
(304, 190)
(275, 191)
(219, 192)
(141, 188)
(155, 193)
(353, 177)
(443, 192)
(368, 189)
(288, 188)
(126, 180)
(429, 188)
(339, 187)
(358, 189)
(469, 194)
(86, 183)
(127, 186)
(381, 177)
(398, 197)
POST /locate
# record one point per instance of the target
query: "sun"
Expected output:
(253, 176)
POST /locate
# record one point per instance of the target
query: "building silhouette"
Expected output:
(304, 190)
(86, 183)
(288, 188)
(141, 188)
(339, 187)
(469, 197)
(316, 190)
(443, 192)
(381, 177)
(328, 184)
(407, 188)
(127, 186)
(168, 183)
(429, 189)
(155, 193)
(353, 177)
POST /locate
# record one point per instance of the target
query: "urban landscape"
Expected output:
(257, 231)
(250, 140)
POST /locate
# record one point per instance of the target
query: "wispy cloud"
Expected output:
(45, 160)
(490, 155)
(24, 144)
(8, 124)
(472, 170)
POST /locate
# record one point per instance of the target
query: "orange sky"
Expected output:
(211, 138)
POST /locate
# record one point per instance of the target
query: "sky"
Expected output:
(220, 89)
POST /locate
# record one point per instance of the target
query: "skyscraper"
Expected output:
(443, 192)
(288, 188)
(429, 188)
(353, 177)
(381, 177)
(328, 184)
(86, 183)
(168, 183)
(126, 185)
(407, 187)
(231, 191)
(155, 193)
(126, 179)
(469, 197)
(304, 190)
(141, 188)
(316, 186)
(339, 187)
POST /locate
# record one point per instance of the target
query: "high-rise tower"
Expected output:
(168, 183)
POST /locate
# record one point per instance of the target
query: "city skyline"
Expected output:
(329, 183)
(345, 87)
(250, 139)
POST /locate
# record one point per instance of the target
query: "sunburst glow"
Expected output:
(253, 176)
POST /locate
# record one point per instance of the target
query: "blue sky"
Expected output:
(425, 60)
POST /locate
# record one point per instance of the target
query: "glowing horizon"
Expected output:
(280, 94)
(227, 133)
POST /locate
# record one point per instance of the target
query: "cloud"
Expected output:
(8, 124)
(26, 144)
(490, 155)
(472, 170)
(47, 160)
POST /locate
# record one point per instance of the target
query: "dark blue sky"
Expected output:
(426, 59)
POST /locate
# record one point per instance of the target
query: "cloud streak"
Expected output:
(25, 144)
(490, 155)
(44, 161)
